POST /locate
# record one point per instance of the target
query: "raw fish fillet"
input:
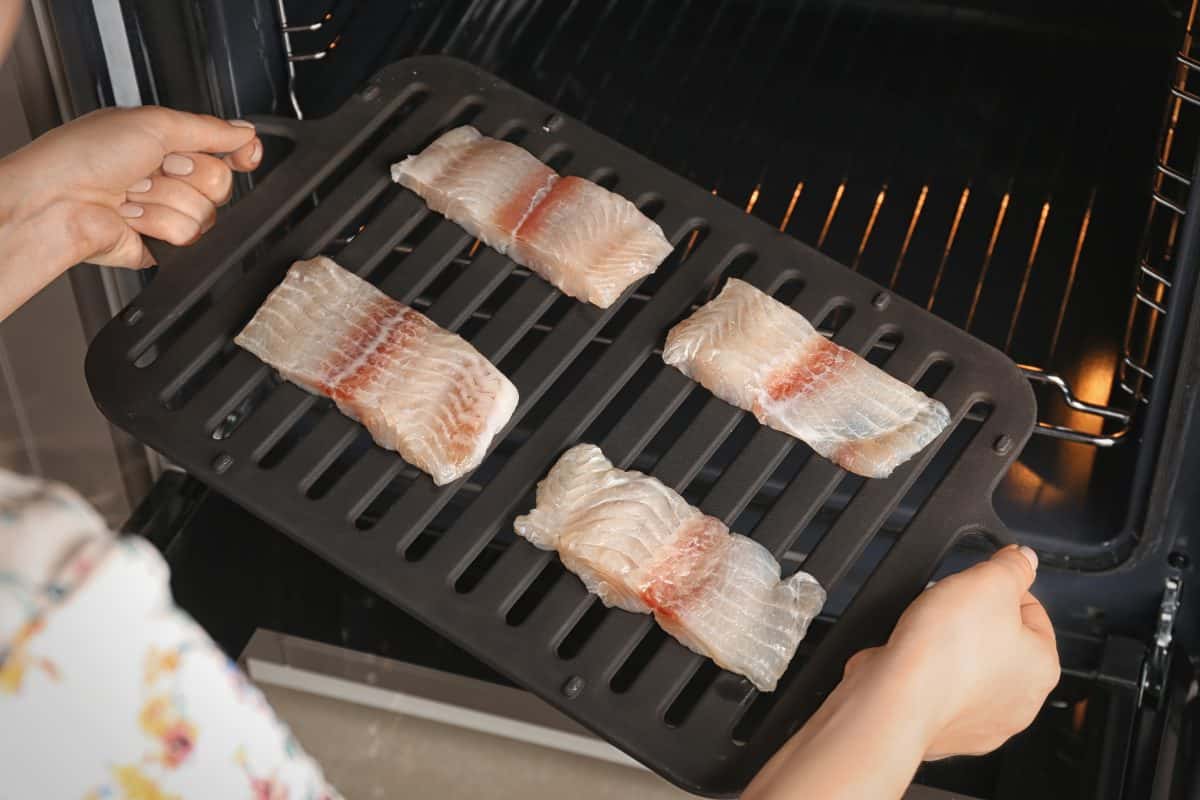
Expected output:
(756, 353)
(589, 242)
(639, 546)
(418, 389)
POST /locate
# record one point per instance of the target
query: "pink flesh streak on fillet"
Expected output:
(418, 389)
(589, 242)
(754, 352)
(639, 546)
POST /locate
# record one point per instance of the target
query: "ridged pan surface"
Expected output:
(166, 371)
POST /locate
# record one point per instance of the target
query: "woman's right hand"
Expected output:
(980, 650)
(968, 665)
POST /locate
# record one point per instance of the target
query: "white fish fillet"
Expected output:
(418, 389)
(756, 353)
(589, 242)
(639, 546)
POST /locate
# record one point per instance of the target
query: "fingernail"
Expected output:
(176, 164)
(141, 186)
(256, 153)
(241, 123)
(130, 210)
(1030, 556)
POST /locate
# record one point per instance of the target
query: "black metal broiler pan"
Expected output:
(166, 371)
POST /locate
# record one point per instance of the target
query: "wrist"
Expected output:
(899, 692)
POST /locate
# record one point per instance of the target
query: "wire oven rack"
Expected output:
(167, 371)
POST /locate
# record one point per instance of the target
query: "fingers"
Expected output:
(174, 193)
(247, 157)
(162, 222)
(183, 132)
(207, 174)
(1034, 616)
(1015, 566)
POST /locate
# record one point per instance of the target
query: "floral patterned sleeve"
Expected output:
(107, 689)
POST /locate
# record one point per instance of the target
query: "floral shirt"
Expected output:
(107, 689)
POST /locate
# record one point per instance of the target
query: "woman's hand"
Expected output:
(980, 651)
(90, 190)
(968, 665)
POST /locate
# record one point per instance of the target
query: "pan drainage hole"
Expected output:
(722, 459)
(253, 399)
(394, 259)
(940, 466)
(572, 644)
(185, 391)
(387, 497)
(350, 456)
(294, 434)
(535, 594)
(557, 157)
(172, 334)
(757, 709)
(673, 429)
(653, 641)
(687, 700)
(608, 178)
(770, 491)
(626, 399)
(480, 566)
(333, 182)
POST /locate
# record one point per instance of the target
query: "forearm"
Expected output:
(866, 740)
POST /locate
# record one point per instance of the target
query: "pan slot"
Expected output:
(200, 378)
(381, 273)
(296, 434)
(675, 427)
(340, 466)
(608, 178)
(758, 704)
(939, 467)
(447, 516)
(150, 353)
(684, 703)
(386, 498)
(558, 157)
(345, 168)
(234, 419)
(624, 678)
(721, 459)
(588, 624)
(533, 596)
(625, 400)
(483, 563)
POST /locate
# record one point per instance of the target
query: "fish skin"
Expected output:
(639, 546)
(758, 354)
(418, 389)
(589, 242)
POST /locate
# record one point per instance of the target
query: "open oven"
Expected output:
(1021, 169)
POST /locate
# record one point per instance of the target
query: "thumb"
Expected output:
(181, 131)
(1018, 564)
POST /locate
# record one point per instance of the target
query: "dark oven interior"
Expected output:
(1020, 169)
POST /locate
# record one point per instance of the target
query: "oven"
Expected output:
(1020, 169)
